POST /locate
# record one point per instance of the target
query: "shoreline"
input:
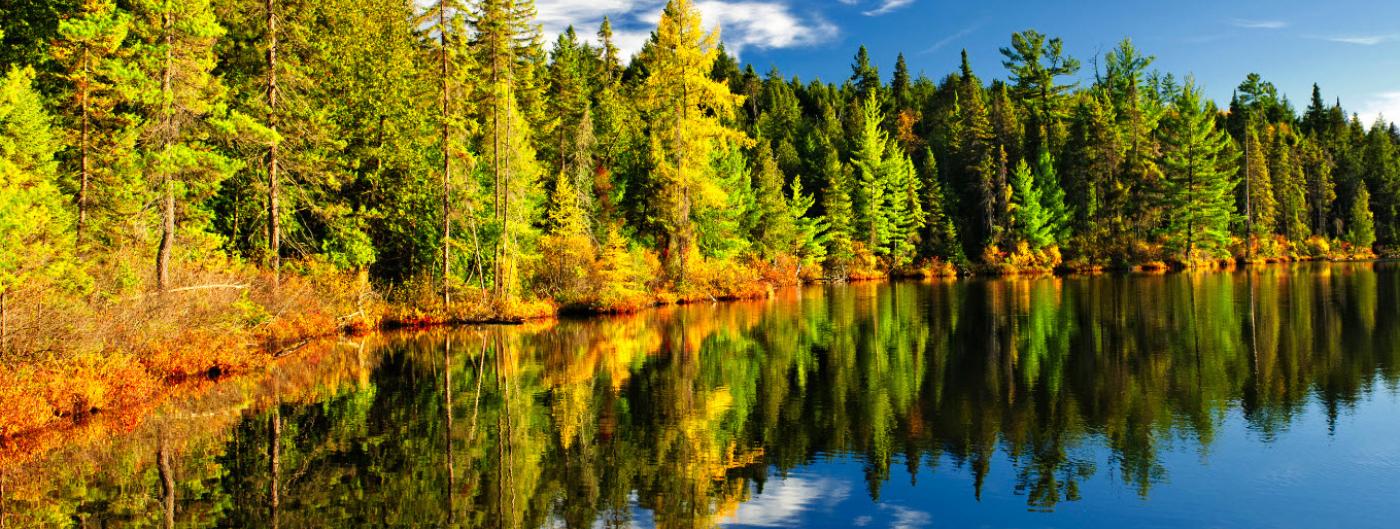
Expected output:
(120, 379)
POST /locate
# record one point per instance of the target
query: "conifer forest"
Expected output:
(191, 188)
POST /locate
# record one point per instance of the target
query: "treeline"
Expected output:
(452, 150)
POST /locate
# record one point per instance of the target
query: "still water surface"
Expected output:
(1263, 399)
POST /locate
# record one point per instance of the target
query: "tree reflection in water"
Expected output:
(682, 414)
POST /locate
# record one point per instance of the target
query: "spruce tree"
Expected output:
(872, 162)
(774, 230)
(1200, 181)
(1031, 221)
(840, 213)
(940, 235)
(1361, 229)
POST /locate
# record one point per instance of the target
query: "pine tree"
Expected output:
(1093, 179)
(940, 237)
(904, 209)
(1262, 206)
(89, 49)
(810, 232)
(865, 76)
(182, 110)
(900, 88)
(1200, 182)
(1361, 230)
(1052, 198)
(982, 176)
(774, 229)
(1381, 174)
(608, 54)
(33, 221)
(840, 213)
(1290, 187)
(1030, 220)
(1317, 168)
(686, 111)
(871, 161)
(505, 46)
(1034, 62)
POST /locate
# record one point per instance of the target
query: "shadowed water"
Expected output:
(1260, 399)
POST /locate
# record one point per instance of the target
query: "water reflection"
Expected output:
(749, 413)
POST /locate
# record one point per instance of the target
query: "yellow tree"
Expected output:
(687, 111)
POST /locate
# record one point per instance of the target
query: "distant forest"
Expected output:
(451, 148)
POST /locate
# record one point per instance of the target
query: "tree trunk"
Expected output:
(447, 415)
(167, 481)
(4, 320)
(83, 154)
(446, 163)
(274, 449)
(274, 235)
(167, 238)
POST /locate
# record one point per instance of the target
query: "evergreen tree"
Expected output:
(904, 210)
(940, 237)
(840, 213)
(1361, 231)
(871, 160)
(1262, 206)
(1034, 62)
(1199, 176)
(1381, 170)
(504, 46)
(89, 50)
(865, 76)
(1290, 187)
(686, 112)
(182, 111)
(810, 232)
(774, 229)
(1052, 198)
(1030, 220)
(33, 220)
(900, 87)
(1317, 168)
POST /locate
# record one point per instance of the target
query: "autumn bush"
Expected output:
(1023, 260)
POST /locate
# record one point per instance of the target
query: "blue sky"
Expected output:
(1350, 47)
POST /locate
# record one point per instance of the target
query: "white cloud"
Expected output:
(1384, 104)
(1363, 40)
(943, 42)
(745, 23)
(782, 503)
(1258, 24)
(887, 6)
(764, 25)
(906, 518)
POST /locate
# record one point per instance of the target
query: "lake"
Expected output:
(1268, 398)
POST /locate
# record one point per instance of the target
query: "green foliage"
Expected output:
(1030, 218)
(408, 133)
(1199, 161)
(1361, 229)
(33, 220)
